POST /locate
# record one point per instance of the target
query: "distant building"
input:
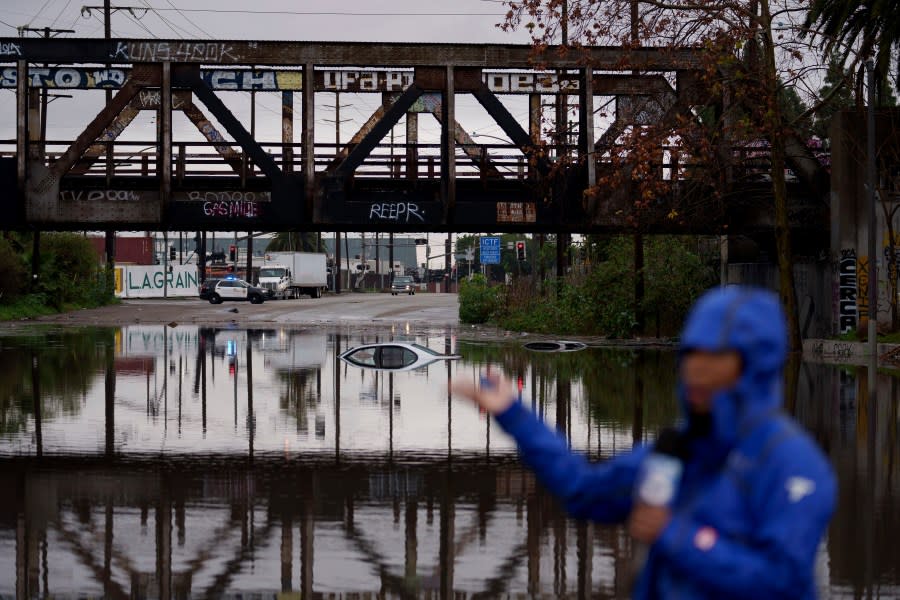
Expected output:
(404, 251)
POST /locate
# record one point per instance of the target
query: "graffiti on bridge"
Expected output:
(285, 80)
(398, 212)
(228, 204)
(100, 195)
(212, 52)
(153, 99)
(65, 77)
(10, 49)
(847, 286)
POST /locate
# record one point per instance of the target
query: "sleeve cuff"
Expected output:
(513, 416)
(676, 535)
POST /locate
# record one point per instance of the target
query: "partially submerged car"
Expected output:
(393, 356)
(555, 346)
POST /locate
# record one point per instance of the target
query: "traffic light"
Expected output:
(171, 252)
(232, 253)
(520, 250)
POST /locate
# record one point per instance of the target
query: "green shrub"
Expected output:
(70, 273)
(13, 274)
(477, 300)
(601, 302)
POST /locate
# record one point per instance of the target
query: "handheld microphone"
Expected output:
(660, 472)
(658, 478)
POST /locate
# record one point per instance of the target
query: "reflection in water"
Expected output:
(175, 462)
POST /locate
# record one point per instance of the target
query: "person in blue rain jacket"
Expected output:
(756, 494)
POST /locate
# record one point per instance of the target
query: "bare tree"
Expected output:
(725, 127)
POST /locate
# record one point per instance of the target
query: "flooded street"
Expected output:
(193, 461)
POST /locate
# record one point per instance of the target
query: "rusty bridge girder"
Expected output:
(233, 181)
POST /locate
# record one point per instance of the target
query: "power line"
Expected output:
(185, 17)
(138, 23)
(8, 25)
(328, 13)
(68, 2)
(38, 13)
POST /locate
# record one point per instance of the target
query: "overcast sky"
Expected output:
(342, 20)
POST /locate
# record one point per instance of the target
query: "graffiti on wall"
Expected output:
(889, 251)
(862, 289)
(847, 286)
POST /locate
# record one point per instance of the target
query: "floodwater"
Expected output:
(173, 462)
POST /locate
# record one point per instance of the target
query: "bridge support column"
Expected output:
(165, 121)
(22, 125)
(412, 142)
(309, 139)
(586, 126)
(448, 146)
(287, 131)
(34, 128)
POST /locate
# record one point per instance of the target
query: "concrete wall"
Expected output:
(850, 216)
(812, 282)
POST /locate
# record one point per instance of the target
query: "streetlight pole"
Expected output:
(871, 198)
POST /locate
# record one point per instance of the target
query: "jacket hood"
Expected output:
(750, 321)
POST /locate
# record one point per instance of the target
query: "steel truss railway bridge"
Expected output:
(533, 183)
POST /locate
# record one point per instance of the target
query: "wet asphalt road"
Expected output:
(356, 309)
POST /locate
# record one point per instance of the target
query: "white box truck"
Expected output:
(290, 274)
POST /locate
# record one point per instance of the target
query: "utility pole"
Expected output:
(39, 150)
(638, 237)
(337, 234)
(391, 255)
(336, 269)
(110, 234)
(871, 197)
(562, 106)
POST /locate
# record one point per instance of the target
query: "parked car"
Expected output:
(235, 289)
(393, 356)
(207, 286)
(403, 284)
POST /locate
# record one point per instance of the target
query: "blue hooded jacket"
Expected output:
(756, 493)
